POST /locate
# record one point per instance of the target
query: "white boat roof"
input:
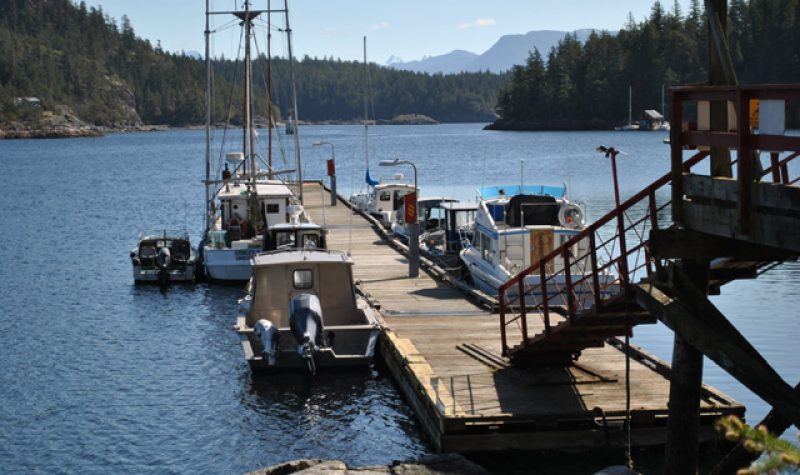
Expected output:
(269, 188)
(382, 186)
(460, 206)
(290, 226)
(436, 199)
(316, 256)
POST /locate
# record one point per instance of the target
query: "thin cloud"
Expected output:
(379, 26)
(479, 23)
(328, 31)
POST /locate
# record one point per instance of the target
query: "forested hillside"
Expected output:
(586, 85)
(68, 54)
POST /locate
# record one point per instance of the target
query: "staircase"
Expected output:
(622, 259)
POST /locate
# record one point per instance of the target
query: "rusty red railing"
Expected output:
(618, 252)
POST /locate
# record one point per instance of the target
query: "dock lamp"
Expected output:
(331, 168)
(413, 238)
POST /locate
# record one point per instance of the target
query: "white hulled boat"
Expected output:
(516, 226)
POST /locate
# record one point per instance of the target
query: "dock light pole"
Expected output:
(413, 239)
(331, 168)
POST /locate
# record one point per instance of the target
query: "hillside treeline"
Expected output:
(586, 85)
(66, 53)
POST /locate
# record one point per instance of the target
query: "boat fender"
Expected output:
(571, 216)
(268, 334)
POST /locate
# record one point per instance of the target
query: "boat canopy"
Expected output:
(489, 192)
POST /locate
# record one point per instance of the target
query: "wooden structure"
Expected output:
(445, 354)
(722, 228)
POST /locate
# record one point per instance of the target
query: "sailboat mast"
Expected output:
(366, 106)
(246, 122)
(269, 87)
(630, 104)
(208, 117)
(298, 165)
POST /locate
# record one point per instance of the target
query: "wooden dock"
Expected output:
(444, 352)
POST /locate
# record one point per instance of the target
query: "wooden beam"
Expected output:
(686, 382)
(677, 243)
(688, 312)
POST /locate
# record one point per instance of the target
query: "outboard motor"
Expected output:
(268, 334)
(305, 322)
(163, 260)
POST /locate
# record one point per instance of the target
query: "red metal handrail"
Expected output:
(607, 290)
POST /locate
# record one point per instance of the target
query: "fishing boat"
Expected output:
(163, 256)
(515, 227)
(431, 217)
(302, 311)
(249, 198)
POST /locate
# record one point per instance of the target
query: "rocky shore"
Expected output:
(443, 464)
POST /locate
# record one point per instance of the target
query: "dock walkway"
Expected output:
(445, 354)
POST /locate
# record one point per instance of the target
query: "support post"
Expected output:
(686, 381)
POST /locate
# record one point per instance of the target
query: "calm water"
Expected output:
(98, 373)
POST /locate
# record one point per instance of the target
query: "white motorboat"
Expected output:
(163, 256)
(431, 216)
(457, 228)
(515, 227)
(302, 311)
(384, 199)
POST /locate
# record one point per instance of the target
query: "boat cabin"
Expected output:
(151, 242)
(234, 201)
(294, 236)
(459, 219)
(517, 226)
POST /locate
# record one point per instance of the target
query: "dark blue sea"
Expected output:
(97, 374)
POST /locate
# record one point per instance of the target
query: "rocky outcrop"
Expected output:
(58, 123)
(442, 464)
(409, 119)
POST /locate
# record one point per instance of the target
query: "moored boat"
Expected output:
(302, 311)
(163, 256)
(516, 226)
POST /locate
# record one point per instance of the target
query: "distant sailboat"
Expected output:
(630, 125)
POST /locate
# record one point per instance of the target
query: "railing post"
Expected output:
(653, 227)
(522, 310)
(502, 307)
(568, 279)
(775, 166)
(595, 276)
(545, 297)
(676, 154)
(745, 163)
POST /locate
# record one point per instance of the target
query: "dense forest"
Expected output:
(68, 54)
(586, 85)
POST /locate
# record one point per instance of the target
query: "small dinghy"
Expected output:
(162, 257)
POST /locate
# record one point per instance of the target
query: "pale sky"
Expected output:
(409, 29)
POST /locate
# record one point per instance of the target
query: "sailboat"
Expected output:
(246, 202)
(630, 125)
(383, 198)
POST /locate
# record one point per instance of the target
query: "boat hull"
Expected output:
(148, 275)
(229, 264)
(352, 346)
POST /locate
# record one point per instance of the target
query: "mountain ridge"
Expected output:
(507, 51)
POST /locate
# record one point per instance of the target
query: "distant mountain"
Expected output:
(452, 62)
(505, 53)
